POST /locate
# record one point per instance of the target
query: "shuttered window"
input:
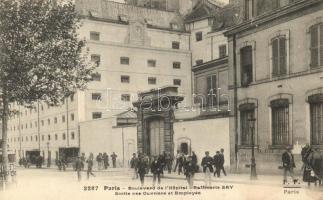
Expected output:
(316, 33)
(316, 118)
(246, 65)
(211, 90)
(280, 121)
(247, 111)
(279, 56)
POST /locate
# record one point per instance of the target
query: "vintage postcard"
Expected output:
(161, 99)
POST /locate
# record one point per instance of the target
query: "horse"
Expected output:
(313, 165)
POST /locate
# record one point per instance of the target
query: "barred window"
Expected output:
(316, 33)
(94, 35)
(177, 82)
(247, 111)
(175, 45)
(124, 60)
(151, 63)
(96, 115)
(279, 56)
(152, 80)
(280, 121)
(316, 118)
(246, 65)
(176, 65)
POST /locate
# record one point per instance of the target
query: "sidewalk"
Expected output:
(270, 180)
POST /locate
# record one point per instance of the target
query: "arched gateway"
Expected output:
(155, 120)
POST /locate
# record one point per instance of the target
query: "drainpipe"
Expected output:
(235, 103)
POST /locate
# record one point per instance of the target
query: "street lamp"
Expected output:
(253, 173)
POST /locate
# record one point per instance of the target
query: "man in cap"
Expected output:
(207, 163)
(288, 164)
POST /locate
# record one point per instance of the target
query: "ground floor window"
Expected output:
(316, 119)
(280, 121)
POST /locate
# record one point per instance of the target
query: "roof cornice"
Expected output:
(271, 16)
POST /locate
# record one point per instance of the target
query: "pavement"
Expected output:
(269, 180)
(52, 184)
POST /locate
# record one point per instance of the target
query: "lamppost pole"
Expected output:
(253, 173)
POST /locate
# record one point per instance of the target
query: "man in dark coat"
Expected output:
(169, 161)
(142, 168)
(181, 162)
(90, 165)
(106, 160)
(156, 168)
(78, 167)
(133, 165)
(222, 162)
(189, 171)
(288, 164)
(114, 159)
(177, 156)
(207, 163)
(217, 163)
(194, 160)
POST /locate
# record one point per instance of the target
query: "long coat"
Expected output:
(141, 166)
(207, 162)
(288, 161)
(156, 167)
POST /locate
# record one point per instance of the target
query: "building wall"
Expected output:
(99, 136)
(297, 85)
(23, 134)
(214, 136)
(208, 48)
(157, 46)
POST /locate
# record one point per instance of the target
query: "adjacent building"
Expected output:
(275, 76)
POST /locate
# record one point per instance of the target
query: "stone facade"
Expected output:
(294, 87)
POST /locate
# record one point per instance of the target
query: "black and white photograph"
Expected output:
(161, 99)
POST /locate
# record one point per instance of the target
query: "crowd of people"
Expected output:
(102, 160)
(181, 163)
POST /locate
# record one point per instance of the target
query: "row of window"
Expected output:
(279, 60)
(35, 138)
(96, 58)
(34, 109)
(96, 37)
(55, 121)
(280, 121)
(151, 80)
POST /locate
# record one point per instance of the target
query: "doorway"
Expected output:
(156, 137)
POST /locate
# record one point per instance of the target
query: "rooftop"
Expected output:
(115, 12)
